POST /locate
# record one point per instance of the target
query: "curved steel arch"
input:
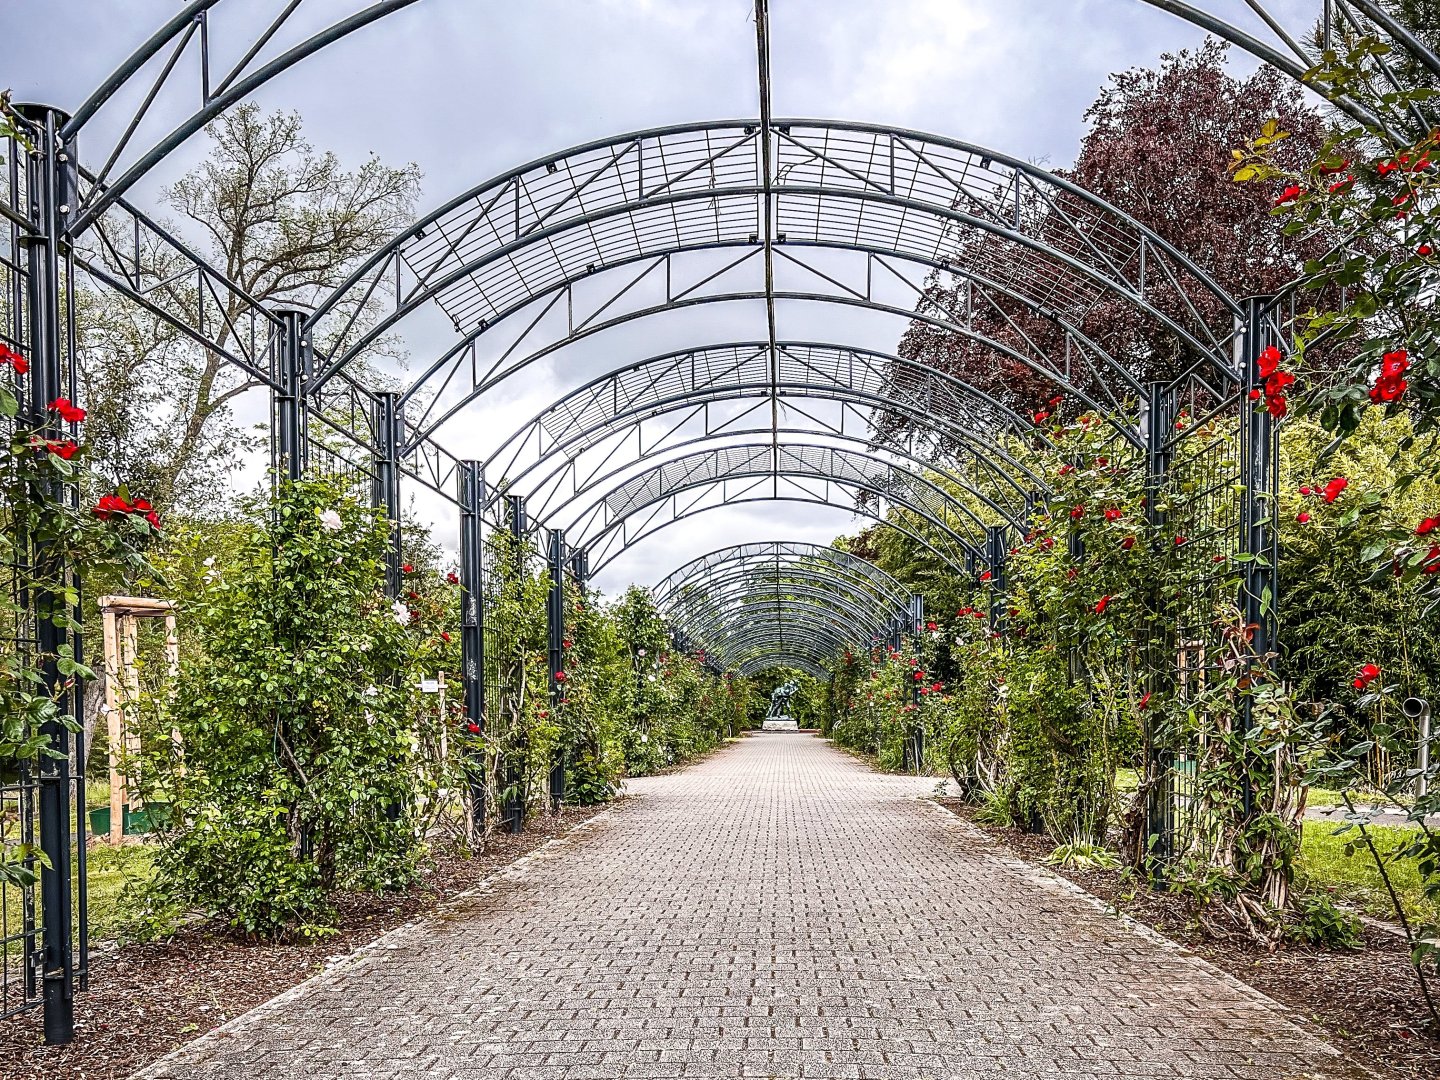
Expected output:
(535, 229)
(743, 585)
(865, 471)
(1082, 353)
(243, 78)
(619, 401)
(723, 598)
(600, 556)
(713, 623)
(241, 81)
(773, 551)
(796, 624)
(732, 585)
(553, 499)
(783, 658)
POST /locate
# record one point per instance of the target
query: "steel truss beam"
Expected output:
(736, 470)
(551, 500)
(964, 425)
(704, 613)
(789, 492)
(834, 557)
(735, 585)
(898, 195)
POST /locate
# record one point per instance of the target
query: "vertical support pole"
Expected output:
(1157, 422)
(51, 188)
(289, 446)
(555, 618)
(129, 721)
(1259, 539)
(512, 812)
(472, 630)
(995, 563)
(916, 749)
(388, 422)
(114, 727)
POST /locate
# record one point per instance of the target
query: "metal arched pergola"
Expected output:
(758, 213)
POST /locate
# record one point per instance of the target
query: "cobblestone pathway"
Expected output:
(776, 911)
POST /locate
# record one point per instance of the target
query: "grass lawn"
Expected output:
(1354, 878)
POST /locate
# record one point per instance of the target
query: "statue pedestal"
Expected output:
(780, 723)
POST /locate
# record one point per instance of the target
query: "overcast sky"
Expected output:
(470, 88)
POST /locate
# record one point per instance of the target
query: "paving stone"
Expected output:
(781, 911)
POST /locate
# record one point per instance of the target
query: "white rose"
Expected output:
(652, 678)
(402, 613)
(639, 652)
(210, 561)
(330, 520)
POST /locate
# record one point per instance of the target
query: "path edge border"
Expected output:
(368, 950)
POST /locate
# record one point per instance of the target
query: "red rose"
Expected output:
(1180, 541)
(1276, 407)
(1278, 383)
(1290, 194)
(985, 576)
(1101, 605)
(1077, 512)
(68, 412)
(407, 569)
(1145, 701)
(566, 644)
(1368, 674)
(1424, 250)
(473, 728)
(452, 578)
(1305, 489)
(931, 626)
(14, 359)
(445, 635)
(1268, 361)
(1303, 519)
(1388, 389)
(110, 505)
(1395, 363)
(1128, 543)
(1427, 526)
(560, 676)
(1334, 488)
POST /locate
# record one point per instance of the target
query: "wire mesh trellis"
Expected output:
(44, 943)
(1212, 462)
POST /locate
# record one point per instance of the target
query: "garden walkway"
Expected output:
(779, 910)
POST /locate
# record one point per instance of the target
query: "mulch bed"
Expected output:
(145, 1000)
(1366, 1001)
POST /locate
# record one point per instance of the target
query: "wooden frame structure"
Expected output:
(121, 617)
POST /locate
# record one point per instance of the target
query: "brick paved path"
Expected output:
(776, 911)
